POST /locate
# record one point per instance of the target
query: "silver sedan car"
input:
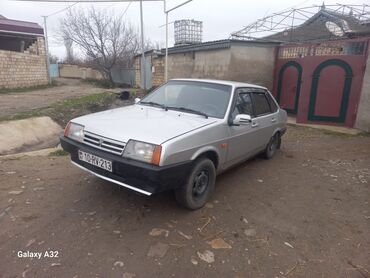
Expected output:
(179, 137)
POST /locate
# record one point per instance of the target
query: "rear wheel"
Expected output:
(199, 185)
(272, 146)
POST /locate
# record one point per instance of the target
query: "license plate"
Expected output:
(95, 160)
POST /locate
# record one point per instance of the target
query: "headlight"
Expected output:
(143, 151)
(74, 131)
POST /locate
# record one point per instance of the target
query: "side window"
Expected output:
(243, 105)
(273, 105)
(261, 104)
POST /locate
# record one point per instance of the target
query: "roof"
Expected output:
(325, 24)
(210, 45)
(221, 82)
(20, 27)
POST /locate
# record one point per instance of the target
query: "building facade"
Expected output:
(22, 54)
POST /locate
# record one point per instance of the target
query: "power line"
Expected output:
(124, 12)
(62, 10)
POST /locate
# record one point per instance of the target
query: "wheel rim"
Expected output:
(200, 183)
(273, 145)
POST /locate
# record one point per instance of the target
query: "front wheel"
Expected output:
(199, 186)
(272, 146)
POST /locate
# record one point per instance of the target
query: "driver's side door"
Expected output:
(242, 138)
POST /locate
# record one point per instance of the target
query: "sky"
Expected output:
(220, 17)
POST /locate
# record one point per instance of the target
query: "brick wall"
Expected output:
(25, 69)
(137, 71)
(158, 74)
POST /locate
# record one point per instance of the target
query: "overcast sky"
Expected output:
(220, 17)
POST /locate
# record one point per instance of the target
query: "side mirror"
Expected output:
(137, 100)
(242, 119)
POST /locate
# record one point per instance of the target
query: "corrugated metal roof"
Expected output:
(20, 27)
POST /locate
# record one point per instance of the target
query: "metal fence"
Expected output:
(123, 76)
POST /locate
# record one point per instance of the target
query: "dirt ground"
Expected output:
(305, 213)
(13, 103)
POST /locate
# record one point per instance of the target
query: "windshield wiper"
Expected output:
(153, 104)
(188, 110)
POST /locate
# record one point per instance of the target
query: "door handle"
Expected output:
(273, 120)
(254, 124)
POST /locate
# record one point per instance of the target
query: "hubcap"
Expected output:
(200, 183)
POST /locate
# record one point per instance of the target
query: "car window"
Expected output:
(209, 98)
(261, 104)
(243, 105)
(273, 105)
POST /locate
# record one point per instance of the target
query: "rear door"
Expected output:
(242, 140)
(265, 117)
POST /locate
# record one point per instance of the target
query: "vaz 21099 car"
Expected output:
(179, 137)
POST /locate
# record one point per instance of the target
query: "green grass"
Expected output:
(58, 153)
(27, 89)
(83, 101)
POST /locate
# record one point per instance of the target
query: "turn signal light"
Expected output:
(156, 158)
(66, 130)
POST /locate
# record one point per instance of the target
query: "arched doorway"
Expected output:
(289, 86)
(330, 90)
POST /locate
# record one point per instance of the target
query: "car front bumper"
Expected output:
(135, 175)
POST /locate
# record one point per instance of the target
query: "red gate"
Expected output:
(321, 82)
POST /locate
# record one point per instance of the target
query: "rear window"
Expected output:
(273, 105)
(261, 104)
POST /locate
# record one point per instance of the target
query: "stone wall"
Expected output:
(74, 71)
(252, 63)
(363, 111)
(24, 69)
(137, 71)
(158, 71)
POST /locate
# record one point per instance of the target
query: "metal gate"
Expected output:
(321, 82)
(54, 70)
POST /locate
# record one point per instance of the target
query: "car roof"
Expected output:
(222, 82)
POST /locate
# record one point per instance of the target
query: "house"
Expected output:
(22, 54)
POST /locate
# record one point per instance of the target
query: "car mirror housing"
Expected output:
(137, 100)
(242, 119)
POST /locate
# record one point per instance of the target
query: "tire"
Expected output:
(199, 186)
(272, 146)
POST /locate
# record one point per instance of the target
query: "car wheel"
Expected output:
(272, 146)
(199, 185)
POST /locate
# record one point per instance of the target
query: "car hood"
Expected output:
(142, 123)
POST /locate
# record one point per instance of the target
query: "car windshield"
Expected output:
(202, 98)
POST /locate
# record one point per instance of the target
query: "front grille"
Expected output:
(105, 144)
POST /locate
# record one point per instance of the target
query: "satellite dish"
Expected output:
(334, 29)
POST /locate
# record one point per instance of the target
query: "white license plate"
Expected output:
(95, 160)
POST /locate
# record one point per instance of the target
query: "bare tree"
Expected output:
(105, 38)
(68, 43)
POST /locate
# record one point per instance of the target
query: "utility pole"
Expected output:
(143, 62)
(167, 12)
(47, 49)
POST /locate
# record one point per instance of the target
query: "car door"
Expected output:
(242, 140)
(264, 120)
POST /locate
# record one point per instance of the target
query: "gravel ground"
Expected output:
(305, 213)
